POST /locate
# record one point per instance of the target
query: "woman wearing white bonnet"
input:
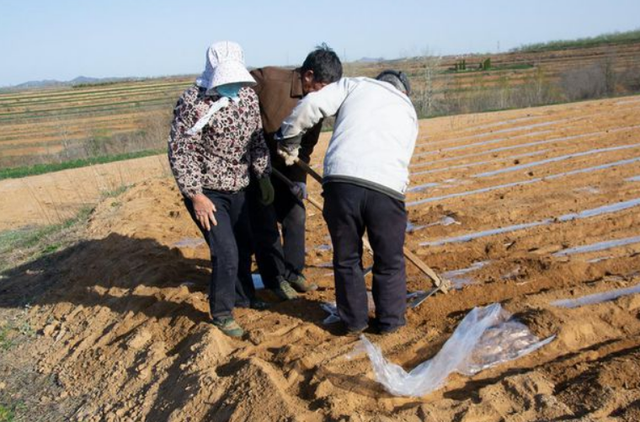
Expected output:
(216, 140)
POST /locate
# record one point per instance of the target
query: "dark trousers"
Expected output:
(278, 257)
(230, 246)
(349, 210)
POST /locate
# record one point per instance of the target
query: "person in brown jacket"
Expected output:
(281, 261)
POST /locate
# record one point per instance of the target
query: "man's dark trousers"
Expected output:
(230, 246)
(349, 210)
(278, 257)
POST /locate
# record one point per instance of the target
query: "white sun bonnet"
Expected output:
(224, 65)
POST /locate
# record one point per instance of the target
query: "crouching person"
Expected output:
(216, 141)
(365, 179)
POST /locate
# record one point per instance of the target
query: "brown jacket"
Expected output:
(279, 91)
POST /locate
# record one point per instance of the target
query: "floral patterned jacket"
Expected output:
(221, 155)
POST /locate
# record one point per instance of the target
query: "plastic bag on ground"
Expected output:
(485, 337)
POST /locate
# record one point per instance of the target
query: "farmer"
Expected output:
(216, 142)
(281, 262)
(365, 179)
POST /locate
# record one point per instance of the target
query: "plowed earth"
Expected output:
(122, 317)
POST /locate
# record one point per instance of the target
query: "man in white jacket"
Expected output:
(365, 179)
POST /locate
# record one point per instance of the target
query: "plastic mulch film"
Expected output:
(332, 309)
(414, 300)
(596, 298)
(486, 337)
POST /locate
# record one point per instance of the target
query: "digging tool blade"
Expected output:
(415, 299)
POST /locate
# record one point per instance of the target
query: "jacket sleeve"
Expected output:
(309, 141)
(311, 110)
(183, 148)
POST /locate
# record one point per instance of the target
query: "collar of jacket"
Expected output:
(296, 83)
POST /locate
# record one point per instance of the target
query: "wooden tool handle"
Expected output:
(441, 284)
(307, 168)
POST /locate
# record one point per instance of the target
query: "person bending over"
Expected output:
(365, 179)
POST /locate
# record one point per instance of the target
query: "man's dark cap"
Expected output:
(401, 76)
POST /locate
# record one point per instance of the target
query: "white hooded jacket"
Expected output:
(374, 134)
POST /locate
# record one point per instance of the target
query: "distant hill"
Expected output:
(39, 84)
(370, 60)
(89, 80)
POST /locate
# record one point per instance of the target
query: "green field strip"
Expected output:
(74, 126)
(88, 119)
(481, 76)
(78, 137)
(104, 112)
(68, 92)
(6, 149)
(78, 104)
(576, 62)
(94, 97)
(12, 173)
(87, 98)
(71, 124)
(7, 117)
(58, 131)
(605, 40)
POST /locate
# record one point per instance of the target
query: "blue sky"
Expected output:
(62, 39)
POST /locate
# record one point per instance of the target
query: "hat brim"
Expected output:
(230, 72)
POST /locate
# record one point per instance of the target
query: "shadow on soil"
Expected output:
(127, 275)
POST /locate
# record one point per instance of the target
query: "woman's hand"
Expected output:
(204, 209)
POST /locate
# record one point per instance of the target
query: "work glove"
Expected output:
(290, 154)
(299, 190)
(267, 194)
(288, 148)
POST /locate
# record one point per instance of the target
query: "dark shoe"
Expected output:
(354, 332)
(228, 326)
(285, 292)
(243, 305)
(383, 331)
(259, 305)
(303, 285)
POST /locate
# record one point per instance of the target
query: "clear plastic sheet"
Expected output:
(486, 337)
(257, 281)
(597, 297)
(332, 309)
(190, 243)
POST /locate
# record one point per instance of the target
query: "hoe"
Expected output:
(417, 298)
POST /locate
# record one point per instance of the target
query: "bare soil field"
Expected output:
(524, 208)
(53, 198)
